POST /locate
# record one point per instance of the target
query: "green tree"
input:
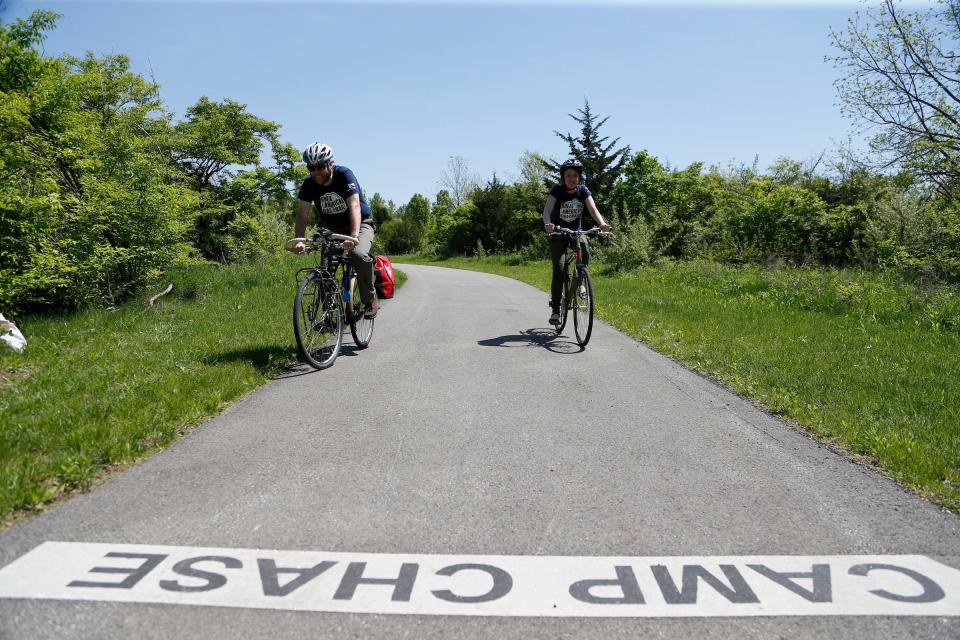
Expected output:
(210, 144)
(288, 173)
(534, 171)
(498, 217)
(443, 204)
(380, 210)
(90, 206)
(417, 210)
(642, 190)
(216, 135)
(22, 65)
(407, 231)
(901, 80)
(400, 235)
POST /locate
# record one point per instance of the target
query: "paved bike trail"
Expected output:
(468, 429)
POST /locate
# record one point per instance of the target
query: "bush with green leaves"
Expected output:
(400, 235)
(499, 217)
(629, 248)
(90, 208)
(101, 191)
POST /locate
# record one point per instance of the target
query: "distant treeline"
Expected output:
(836, 213)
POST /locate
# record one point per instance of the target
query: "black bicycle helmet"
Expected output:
(572, 163)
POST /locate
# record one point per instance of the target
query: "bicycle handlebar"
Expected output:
(562, 231)
(292, 242)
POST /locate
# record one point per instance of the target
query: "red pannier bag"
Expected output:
(384, 280)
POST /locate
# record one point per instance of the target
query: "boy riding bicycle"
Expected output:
(564, 208)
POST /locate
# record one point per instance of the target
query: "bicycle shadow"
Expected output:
(277, 362)
(270, 361)
(538, 337)
(300, 368)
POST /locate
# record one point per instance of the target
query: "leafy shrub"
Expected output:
(400, 235)
(629, 248)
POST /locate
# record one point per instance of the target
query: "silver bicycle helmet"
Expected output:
(317, 153)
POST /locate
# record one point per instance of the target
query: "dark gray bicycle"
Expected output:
(577, 292)
(327, 298)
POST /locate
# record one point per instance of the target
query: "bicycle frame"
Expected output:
(575, 256)
(329, 258)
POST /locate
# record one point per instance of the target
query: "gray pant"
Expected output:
(363, 263)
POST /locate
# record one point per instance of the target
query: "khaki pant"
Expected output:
(363, 263)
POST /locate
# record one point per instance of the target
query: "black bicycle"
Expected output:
(327, 298)
(577, 287)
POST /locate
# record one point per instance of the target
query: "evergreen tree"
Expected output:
(603, 163)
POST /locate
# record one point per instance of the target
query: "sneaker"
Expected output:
(583, 292)
(554, 318)
(372, 309)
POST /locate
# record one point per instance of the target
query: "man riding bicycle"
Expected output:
(564, 208)
(343, 209)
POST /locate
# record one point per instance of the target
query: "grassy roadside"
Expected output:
(97, 390)
(857, 359)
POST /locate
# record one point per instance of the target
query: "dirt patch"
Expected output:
(9, 377)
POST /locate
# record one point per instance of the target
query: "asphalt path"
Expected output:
(468, 428)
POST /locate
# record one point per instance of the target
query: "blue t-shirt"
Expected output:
(568, 210)
(331, 200)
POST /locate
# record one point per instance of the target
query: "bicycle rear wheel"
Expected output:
(583, 307)
(564, 302)
(318, 321)
(361, 328)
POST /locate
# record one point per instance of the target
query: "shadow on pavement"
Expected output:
(300, 368)
(294, 371)
(267, 360)
(540, 337)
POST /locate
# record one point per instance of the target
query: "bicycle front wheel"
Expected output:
(318, 321)
(361, 328)
(583, 307)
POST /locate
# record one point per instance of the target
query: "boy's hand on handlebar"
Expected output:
(604, 228)
(549, 227)
(348, 245)
(298, 248)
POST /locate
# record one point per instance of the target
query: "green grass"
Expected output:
(858, 359)
(97, 390)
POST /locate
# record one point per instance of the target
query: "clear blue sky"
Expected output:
(397, 87)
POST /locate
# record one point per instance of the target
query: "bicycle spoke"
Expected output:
(583, 311)
(318, 322)
(360, 327)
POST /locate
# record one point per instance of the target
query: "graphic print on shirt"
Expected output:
(571, 210)
(332, 204)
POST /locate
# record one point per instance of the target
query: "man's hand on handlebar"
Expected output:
(549, 227)
(295, 245)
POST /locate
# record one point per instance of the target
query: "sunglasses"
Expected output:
(315, 167)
